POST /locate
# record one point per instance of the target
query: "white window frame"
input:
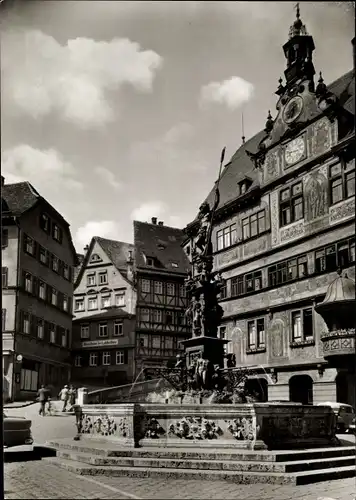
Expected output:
(65, 271)
(104, 275)
(89, 276)
(55, 263)
(84, 331)
(79, 300)
(171, 289)
(158, 287)
(93, 359)
(157, 316)
(106, 358)
(118, 328)
(56, 232)
(78, 361)
(145, 286)
(42, 288)
(43, 255)
(147, 311)
(120, 299)
(26, 323)
(91, 299)
(40, 328)
(119, 358)
(103, 327)
(28, 282)
(54, 297)
(105, 298)
(52, 334)
(64, 339)
(30, 245)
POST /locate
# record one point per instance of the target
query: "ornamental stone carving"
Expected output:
(274, 218)
(321, 139)
(242, 428)
(292, 232)
(342, 211)
(153, 428)
(123, 427)
(315, 197)
(276, 334)
(255, 247)
(195, 428)
(228, 257)
(103, 425)
(271, 167)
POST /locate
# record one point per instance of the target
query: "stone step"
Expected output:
(249, 477)
(107, 449)
(230, 465)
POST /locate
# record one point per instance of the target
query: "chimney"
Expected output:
(154, 220)
(2, 181)
(86, 248)
(160, 223)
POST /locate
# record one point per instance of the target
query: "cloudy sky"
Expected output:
(119, 110)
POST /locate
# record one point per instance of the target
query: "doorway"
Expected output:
(301, 389)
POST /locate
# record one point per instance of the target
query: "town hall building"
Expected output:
(282, 231)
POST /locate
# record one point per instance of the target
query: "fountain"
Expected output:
(209, 406)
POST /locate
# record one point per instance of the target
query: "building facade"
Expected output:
(37, 292)
(104, 349)
(105, 278)
(160, 269)
(283, 227)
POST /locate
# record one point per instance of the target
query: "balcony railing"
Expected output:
(338, 342)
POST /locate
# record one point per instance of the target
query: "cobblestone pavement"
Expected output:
(38, 479)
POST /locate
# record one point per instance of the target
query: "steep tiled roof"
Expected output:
(163, 243)
(113, 312)
(19, 197)
(240, 164)
(117, 251)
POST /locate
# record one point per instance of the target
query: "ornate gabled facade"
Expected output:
(160, 269)
(38, 258)
(105, 278)
(283, 227)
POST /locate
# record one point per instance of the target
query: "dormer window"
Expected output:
(95, 258)
(150, 261)
(174, 264)
(244, 185)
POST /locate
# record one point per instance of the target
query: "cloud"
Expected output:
(232, 92)
(40, 76)
(108, 177)
(104, 228)
(45, 169)
(158, 209)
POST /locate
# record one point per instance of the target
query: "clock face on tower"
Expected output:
(294, 150)
(292, 109)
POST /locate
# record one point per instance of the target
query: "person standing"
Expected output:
(43, 396)
(72, 394)
(64, 396)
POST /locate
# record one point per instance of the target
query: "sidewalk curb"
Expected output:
(14, 406)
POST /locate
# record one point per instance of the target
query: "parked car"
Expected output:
(345, 415)
(17, 431)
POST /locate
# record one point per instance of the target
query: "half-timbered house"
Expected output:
(160, 269)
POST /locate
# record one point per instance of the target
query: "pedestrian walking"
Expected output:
(42, 395)
(71, 396)
(49, 407)
(64, 396)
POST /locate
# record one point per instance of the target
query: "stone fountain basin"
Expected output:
(240, 426)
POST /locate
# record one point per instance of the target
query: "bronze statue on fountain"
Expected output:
(201, 368)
